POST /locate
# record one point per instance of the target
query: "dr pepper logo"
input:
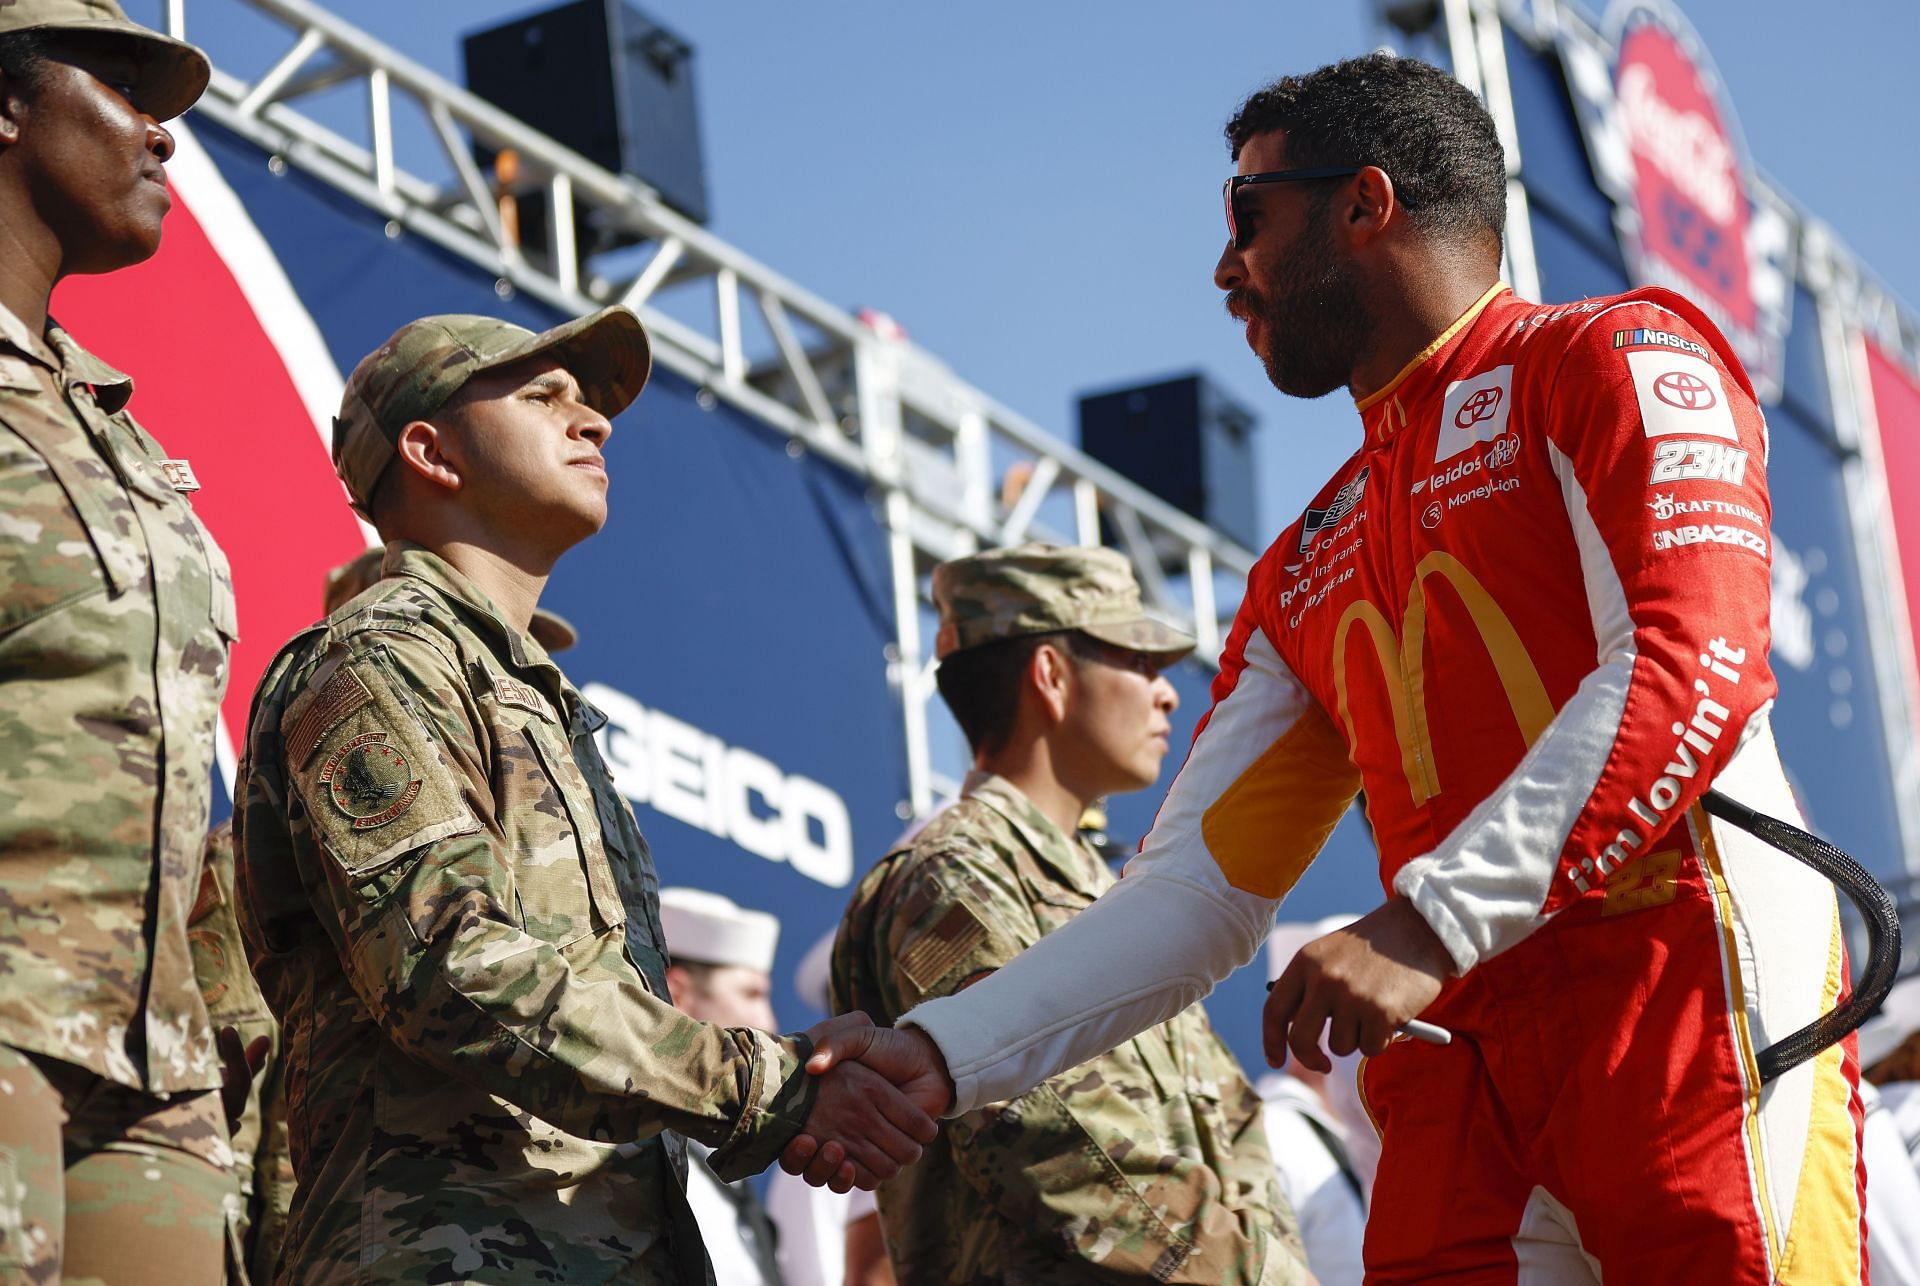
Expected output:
(1667, 149)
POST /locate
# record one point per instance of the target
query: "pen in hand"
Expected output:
(1429, 1032)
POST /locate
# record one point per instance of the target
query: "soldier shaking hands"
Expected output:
(447, 902)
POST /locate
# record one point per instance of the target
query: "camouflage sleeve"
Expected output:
(1109, 1161)
(233, 999)
(952, 921)
(1253, 1206)
(491, 957)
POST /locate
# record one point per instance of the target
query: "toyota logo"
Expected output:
(1481, 406)
(1688, 392)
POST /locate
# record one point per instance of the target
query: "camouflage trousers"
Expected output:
(104, 1184)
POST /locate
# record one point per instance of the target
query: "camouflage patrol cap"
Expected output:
(172, 73)
(1039, 589)
(552, 631)
(425, 362)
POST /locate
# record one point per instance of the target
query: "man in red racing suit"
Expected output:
(1530, 617)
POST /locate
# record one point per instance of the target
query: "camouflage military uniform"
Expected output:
(262, 1164)
(116, 612)
(1147, 1164)
(454, 914)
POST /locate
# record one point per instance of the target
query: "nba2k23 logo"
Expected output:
(1666, 148)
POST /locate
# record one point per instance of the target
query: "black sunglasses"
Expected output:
(1230, 190)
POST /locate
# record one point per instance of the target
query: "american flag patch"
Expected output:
(929, 957)
(342, 695)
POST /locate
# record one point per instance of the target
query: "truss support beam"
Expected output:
(824, 378)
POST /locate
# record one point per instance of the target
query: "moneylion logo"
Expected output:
(1483, 405)
(1688, 392)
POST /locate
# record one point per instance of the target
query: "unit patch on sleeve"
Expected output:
(370, 781)
(377, 787)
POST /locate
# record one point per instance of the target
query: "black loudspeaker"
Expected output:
(1185, 441)
(607, 81)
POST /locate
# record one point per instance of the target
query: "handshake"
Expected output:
(882, 1091)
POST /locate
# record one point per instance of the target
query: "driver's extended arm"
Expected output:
(1265, 782)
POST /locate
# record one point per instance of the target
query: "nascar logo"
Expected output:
(1661, 338)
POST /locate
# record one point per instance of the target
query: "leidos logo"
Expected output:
(1475, 411)
(1502, 453)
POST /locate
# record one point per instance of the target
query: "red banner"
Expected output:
(1896, 413)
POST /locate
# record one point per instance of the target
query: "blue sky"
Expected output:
(1033, 189)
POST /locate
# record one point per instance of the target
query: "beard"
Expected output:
(1312, 323)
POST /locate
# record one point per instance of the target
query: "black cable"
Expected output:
(1876, 908)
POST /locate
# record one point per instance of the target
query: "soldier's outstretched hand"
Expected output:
(880, 1094)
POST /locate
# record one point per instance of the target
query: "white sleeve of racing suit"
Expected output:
(1195, 903)
(1485, 887)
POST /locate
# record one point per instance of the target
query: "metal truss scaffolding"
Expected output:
(951, 470)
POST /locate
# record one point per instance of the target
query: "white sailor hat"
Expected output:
(706, 928)
(1897, 1018)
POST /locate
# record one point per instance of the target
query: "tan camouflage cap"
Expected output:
(552, 631)
(426, 362)
(1038, 589)
(173, 73)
